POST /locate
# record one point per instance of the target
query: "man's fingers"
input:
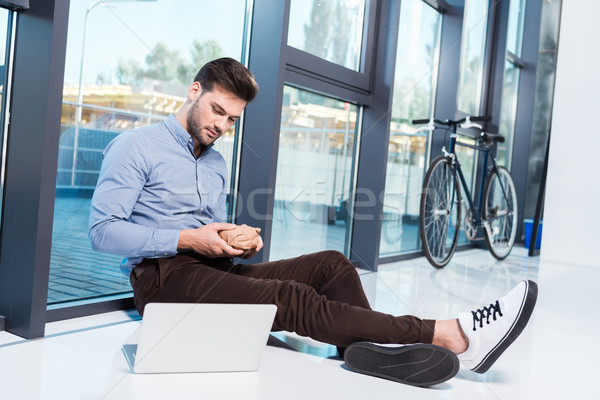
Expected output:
(260, 245)
(221, 226)
(231, 252)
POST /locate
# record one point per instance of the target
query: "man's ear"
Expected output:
(194, 91)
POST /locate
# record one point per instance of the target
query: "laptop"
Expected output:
(183, 337)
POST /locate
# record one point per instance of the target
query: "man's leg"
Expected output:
(330, 273)
(301, 309)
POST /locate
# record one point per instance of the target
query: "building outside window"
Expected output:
(315, 169)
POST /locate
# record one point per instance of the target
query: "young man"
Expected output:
(160, 202)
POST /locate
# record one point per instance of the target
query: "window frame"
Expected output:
(319, 69)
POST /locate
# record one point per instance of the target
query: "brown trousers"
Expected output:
(317, 295)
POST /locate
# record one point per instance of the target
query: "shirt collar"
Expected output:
(178, 131)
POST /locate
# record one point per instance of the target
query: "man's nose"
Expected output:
(221, 124)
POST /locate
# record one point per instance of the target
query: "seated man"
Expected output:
(160, 202)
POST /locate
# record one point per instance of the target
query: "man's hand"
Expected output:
(206, 241)
(252, 252)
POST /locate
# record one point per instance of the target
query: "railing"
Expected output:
(81, 146)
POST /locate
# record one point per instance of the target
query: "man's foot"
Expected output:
(416, 364)
(492, 329)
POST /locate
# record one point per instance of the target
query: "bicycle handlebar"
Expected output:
(449, 122)
(420, 121)
(483, 118)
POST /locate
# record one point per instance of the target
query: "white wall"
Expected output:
(571, 232)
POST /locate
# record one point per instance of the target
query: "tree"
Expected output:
(340, 36)
(129, 73)
(162, 63)
(203, 52)
(167, 65)
(316, 34)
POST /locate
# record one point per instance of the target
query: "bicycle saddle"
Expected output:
(492, 137)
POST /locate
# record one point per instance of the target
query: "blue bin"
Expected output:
(529, 230)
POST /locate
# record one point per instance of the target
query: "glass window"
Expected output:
(5, 44)
(516, 20)
(128, 64)
(508, 112)
(543, 99)
(5, 40)
(510, 89)
(330, 29)
(472, 55)
(413, 97)
(315, 167)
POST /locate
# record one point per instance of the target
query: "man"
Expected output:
(160, 202)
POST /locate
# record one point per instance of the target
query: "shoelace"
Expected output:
(484, 313)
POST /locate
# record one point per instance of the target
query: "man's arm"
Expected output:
(122, 177)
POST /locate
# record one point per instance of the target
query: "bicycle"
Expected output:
(440, 208)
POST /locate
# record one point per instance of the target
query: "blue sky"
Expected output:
(128, 29)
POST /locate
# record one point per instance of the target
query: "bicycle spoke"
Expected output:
(438, 213)
(500, 213)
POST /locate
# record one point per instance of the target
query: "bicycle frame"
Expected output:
(476, 211)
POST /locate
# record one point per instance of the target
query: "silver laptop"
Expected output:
(177, 337)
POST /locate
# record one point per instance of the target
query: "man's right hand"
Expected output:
(206, 241)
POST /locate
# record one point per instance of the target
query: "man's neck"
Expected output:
(199, 149)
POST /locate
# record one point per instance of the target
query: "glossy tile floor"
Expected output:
(556, 357)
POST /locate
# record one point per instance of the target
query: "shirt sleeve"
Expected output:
(122, 177)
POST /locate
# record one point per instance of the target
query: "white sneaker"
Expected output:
(492, 329)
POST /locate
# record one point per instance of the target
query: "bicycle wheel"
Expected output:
(500, 213)
(439, 220)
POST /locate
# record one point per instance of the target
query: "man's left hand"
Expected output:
(252, 252)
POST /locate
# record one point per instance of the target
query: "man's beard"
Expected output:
(196, 129)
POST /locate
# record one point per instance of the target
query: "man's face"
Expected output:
(212, 114)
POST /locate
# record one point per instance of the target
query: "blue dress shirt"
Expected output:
(151, 185)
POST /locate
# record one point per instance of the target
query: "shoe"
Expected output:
(492, 329)
(415, 364)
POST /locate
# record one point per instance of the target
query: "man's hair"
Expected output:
(230, 75)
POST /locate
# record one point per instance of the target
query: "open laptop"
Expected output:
(183, 337)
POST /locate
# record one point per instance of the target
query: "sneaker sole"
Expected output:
(417, 365)
(520, 322)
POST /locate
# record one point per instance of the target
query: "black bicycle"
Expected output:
(440, 212)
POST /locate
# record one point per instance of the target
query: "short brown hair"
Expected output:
(230, 75)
